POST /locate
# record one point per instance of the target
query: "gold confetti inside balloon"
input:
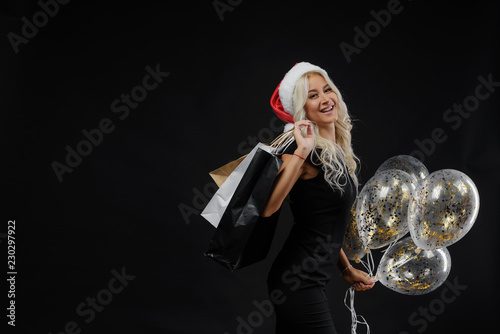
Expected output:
(352, 244)
(408, 164)
(382, 207)
(404, 270)
(442, 209)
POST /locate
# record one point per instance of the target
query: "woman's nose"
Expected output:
(325, 99)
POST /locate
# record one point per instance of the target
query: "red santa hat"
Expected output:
(282, 98)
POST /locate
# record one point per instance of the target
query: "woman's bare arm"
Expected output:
(291, 169)
(343, 261)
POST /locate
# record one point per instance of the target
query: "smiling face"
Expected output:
(321, 102)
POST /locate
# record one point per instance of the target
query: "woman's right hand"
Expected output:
(305, 143)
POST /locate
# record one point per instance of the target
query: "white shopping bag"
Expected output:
(217, 206)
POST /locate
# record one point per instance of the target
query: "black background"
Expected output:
(121, 207)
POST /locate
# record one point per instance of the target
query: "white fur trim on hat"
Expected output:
(289, 82)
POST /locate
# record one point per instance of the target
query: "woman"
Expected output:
(318, 172)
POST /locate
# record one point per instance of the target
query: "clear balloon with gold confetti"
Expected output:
(382, 207)
(407, 164)
(442, 209)
(352, 244)
(406, 269)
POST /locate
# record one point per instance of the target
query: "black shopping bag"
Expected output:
(242, 236)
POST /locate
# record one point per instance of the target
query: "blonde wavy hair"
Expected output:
(333, 155)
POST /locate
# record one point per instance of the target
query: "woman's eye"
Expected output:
(312, 96)
(328, 90)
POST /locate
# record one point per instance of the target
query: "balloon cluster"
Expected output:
(438, 209)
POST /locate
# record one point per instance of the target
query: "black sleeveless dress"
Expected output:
(308, 259)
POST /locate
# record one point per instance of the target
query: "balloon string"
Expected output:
(369, 264)
(390, 246)
(354, 316)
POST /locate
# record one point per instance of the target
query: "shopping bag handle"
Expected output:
(281, 142)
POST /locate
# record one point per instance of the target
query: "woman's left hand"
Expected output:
(359, 279)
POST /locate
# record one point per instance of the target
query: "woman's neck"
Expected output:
(327, 132)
